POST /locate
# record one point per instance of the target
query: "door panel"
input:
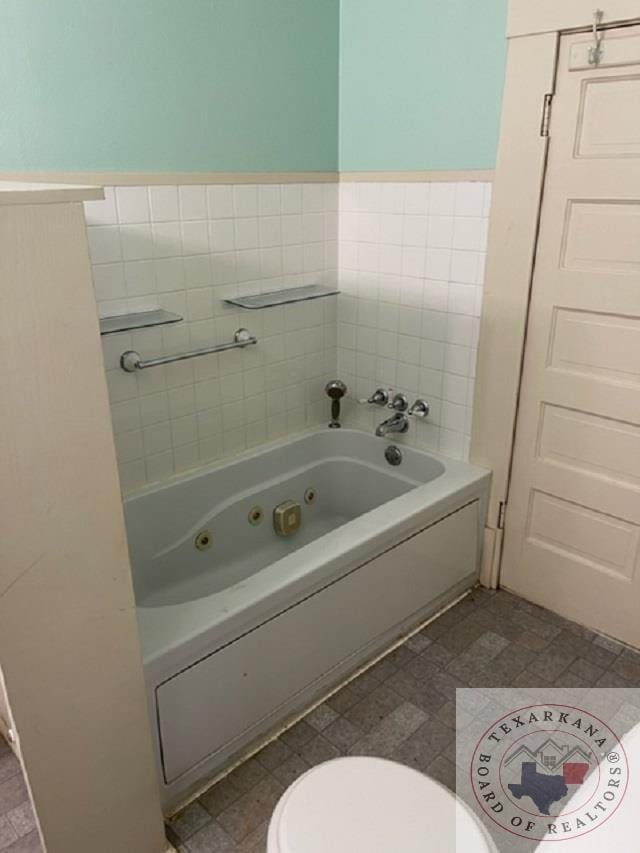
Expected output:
(572, 534)
(590, 445)
(606, 125)
(602, 236)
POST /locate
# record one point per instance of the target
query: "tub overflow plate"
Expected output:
(393, 455)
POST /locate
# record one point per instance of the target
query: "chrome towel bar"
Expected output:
(130, 360)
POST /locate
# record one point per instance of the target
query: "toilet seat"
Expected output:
(371, 805)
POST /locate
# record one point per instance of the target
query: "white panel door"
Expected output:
(572, 532)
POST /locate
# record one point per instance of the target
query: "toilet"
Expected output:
(371, 805)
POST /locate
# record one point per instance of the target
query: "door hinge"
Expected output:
(546, 115)
(502, 511)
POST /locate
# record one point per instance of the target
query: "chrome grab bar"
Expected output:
(130, 360)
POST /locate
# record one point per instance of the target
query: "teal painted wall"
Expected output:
(155, 85)
(250, 85)
(421, 83)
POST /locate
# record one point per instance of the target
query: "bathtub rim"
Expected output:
(260, 450)
(174, 635)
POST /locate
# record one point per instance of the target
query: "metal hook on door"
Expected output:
(595, 51)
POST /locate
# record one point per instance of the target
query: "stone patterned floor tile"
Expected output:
(530, 679)
(317, 750)
(612, 646)
(189, 821)
(480, 653)
(342, 734)
(9, 766)
(364, 684)
(7, 833)
(418, 643)
(424, 694)
(551, 663)
(290, 769)
(298, 735)
(421, 668)
(437, 654)
(627, 665)
(600, 655)
(461, 636)
(443, 771)
(13, 793)
(400, 657)
(321, 717)
(424, 745)
(372, 709)
(570, 679)
(256, 841)
(254, 807)
(585, 670)
(27, 844)
(404, 707)
(343, 699)
(219, 797)
(247, 775)
(531, 640)
(211, 839)
(273, 754)
(22, 819)
(395, 728)
(383, 669)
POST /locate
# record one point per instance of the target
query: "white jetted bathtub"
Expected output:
(243, 627)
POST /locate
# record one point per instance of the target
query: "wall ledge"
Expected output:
(418, 177)
(133, 179)
(28, 192)
(80, 181)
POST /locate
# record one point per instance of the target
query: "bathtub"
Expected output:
(242, 627)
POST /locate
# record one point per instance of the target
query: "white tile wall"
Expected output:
(409, 261)
(184, 249)
(411, 265)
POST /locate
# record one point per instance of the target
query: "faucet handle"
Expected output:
(420, 408)
(399, 403)
(380, 397)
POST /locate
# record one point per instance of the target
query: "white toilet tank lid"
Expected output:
(370, 805)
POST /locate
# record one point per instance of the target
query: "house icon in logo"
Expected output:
(550, 756)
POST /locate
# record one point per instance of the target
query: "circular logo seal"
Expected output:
(549, 772)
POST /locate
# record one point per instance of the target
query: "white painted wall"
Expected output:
(69, 648)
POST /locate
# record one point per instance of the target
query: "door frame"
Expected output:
(533, 33)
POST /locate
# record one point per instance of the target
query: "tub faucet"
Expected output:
(398, 422)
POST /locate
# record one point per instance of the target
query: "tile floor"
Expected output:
(403, 708)
(18, 833)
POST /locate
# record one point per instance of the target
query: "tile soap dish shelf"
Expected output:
(282, 297)
(137, 320)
